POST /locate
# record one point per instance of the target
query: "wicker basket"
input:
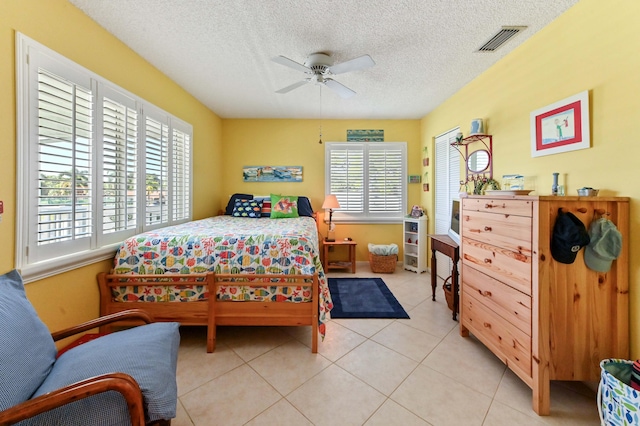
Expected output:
(383, 264)
(448, 293)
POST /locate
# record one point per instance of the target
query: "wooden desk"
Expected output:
(445, 245)
(351, 263)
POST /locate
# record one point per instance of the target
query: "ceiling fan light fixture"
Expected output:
(320, 66)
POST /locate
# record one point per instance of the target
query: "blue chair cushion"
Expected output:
(27, 351)
(148, 353)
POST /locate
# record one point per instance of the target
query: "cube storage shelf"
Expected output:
(415, 244)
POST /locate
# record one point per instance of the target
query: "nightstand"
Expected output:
(343, 264)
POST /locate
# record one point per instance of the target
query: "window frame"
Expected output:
(366, 216)
(34, 262)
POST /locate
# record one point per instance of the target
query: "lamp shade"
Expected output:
(330, 202)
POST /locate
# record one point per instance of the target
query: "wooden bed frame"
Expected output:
(214, 312)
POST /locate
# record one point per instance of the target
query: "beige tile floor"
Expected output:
(367, 372)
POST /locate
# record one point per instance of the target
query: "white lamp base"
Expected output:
(331, 236)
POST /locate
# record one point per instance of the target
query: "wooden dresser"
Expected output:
(544, 319)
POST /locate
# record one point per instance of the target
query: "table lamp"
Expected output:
(331, 202)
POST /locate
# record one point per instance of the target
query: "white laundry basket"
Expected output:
(618, 403)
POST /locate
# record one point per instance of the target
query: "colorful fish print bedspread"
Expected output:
(225, 244)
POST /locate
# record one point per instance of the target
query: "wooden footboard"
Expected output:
(188, 313)
(221, 312)
(224, 312)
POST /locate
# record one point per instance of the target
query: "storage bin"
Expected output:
(618, 403)
(383, 264)
(448, 293)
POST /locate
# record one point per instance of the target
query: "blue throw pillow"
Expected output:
(27, 350)
(304, 207)
(232, 202)
(247, 208)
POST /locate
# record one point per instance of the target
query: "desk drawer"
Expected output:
(499, 205)
(504, 339)
(501, 230)
(512, 305)
(504, 265)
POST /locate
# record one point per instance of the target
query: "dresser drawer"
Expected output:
(498, 205)
(504, 339)
(510, 267)
(512, 305)
(501, 230)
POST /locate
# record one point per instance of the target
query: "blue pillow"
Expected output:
(232, 202)
(247, 208)
(304, 207)
(27, 350)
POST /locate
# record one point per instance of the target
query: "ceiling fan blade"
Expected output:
(339, 88)
(290, 63)
(356, 64)
(292, 86)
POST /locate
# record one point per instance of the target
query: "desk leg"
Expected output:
(455, 288)
(434, 274)
(352, 257)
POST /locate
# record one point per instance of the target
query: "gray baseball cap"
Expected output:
(604, 247)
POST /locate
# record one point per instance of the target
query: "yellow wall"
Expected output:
(590, 47)
(295, 143)
(72, 297)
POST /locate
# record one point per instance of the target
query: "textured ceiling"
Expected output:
(220, 50)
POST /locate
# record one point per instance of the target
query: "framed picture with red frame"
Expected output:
(562, 126)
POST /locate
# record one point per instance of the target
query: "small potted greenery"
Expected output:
(482, 184)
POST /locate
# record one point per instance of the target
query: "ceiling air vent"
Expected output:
(505, 34)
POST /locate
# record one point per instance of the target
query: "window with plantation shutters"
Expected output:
(96, 164)
(447, 188)
(368, 180)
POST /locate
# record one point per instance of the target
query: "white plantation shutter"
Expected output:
(368, 179)
(447, 182)
(386, 179)
(63, 214)
(119, 166)
(181, 180)
(96, 164)
(156, 171)
(346, 173)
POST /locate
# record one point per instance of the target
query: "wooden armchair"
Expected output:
(125, 377)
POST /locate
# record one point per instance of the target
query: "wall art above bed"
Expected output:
(272, 173)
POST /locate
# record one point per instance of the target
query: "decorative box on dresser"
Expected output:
(544, 319)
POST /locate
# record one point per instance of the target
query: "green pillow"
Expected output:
(283, 206)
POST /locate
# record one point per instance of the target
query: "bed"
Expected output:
(264, 271)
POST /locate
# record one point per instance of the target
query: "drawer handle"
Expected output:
(487, 228)
(485, 293)
(487, 260)
(487, 325)
(490, 206)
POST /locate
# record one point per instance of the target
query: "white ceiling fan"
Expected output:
(320, 67)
